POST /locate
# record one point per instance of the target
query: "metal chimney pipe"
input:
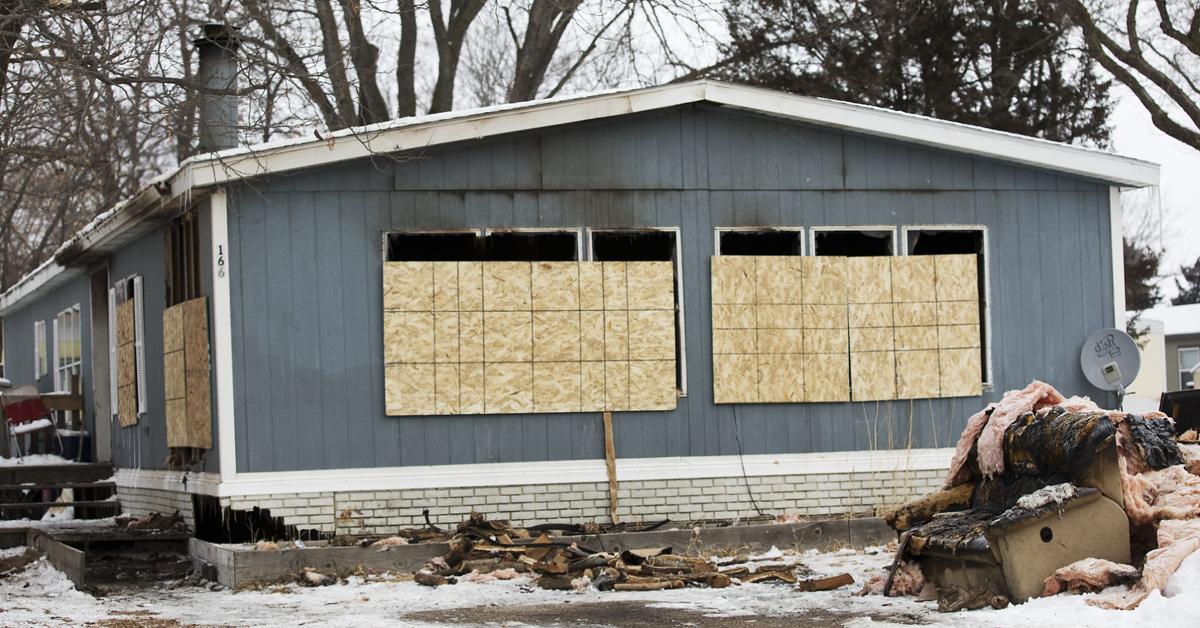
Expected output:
(218, 125)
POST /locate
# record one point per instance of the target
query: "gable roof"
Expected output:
(133, 216)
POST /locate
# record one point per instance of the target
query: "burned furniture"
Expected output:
(1058, 501)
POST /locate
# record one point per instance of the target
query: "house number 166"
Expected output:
(220, 260)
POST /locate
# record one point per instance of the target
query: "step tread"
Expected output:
(57, 486)
(96, 504)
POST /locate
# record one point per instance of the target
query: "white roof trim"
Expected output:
(423, 131)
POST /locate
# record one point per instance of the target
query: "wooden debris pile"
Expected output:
(483, 550)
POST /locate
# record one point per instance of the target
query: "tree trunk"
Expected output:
(365, 57)
(449, 36)
(406, 92)
(335, 64)
(548, 20)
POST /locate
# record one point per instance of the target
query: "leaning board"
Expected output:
(528, 337)
(826, 329)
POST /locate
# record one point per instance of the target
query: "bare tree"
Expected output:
(1160, 63)
(449, 33)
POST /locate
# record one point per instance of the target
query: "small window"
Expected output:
(39, 350)
(183, 259)
(648, 245)
(68, 343)
(955, 240)
(507, 245)
(739, 241)
(854, 241)
(1189, 360)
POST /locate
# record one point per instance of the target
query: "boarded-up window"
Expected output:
(774, 241)
(502, 245)
(959, 241)
(183, 259)
(128, 336)
(186, 382)
(854, 241)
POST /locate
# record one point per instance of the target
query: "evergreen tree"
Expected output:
(1009, 65)
(1141, 272)
(1189, 292)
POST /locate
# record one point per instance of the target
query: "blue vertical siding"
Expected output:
(306, 253)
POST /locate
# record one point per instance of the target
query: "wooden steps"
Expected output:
(27, 492)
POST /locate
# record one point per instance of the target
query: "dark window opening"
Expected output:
(958, 242)
(633, 246)
(767, 242)
(853, 243)
(183, 259)
(470, 246)
(645, 246)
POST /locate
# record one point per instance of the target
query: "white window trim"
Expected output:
(39, 350)
(680, 318)
(139, 342)
(797, 229)
(77, 313)
(813, 231)
(988, 376)
(1179, 363)
(578, 231)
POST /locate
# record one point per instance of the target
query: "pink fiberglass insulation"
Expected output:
(988, 426)
(1176, 541)
(908, 581)
(1088, 576)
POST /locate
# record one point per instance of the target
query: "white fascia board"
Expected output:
(579, 471)
(204, 483)
(29, 284)
(220, 168)
(942, 134)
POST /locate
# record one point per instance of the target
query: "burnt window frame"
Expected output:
(800, 231)
(482, 232)
(814, 230)
(184, 268)
(986, 294)
(681, 382)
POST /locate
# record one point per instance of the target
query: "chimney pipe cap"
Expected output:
(219, 35)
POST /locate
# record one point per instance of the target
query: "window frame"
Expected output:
(801, 230)
(184, 274)
(680, 318)
(74, 332)
(40, 361)
(1179, 364)
(483, 232)
(988, 374)
(576, 231)
(815, 229)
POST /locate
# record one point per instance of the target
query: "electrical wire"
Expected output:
(737, 436)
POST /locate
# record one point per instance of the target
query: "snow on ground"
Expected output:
(41, 596)
(34, 460)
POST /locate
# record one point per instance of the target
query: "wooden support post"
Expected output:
(610, 461)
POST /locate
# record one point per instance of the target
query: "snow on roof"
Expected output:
(1177, 320)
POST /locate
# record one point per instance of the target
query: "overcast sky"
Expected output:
(1178, 196)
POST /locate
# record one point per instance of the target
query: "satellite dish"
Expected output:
(1110, 360)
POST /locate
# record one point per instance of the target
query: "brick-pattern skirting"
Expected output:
(142, 501)
(382, 512)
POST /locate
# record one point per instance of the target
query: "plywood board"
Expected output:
(126, 365)
(447, 397)
(616, 385)
(733, 279)
(735, 341)
(957, 313)
(197, 377)
(871, 315)
(914, 338)
(616, 286)
(960, 372)
(508, 387)
(470, 286)
(735, 378)
(780, 341)
(774, 316)
(651, 285)
(506, 286)
(827, 377)
(652, 385)
(781, 377)
(825, 317)
(872, 339)
(957, 277)
(556, 285)
(958, 336)
(470, 388)
(778, 279)
(470, 336)
(735, 316)
(915, 314)
(408, 337)
(917, 374)
(125, 323)
(409, 389)
(445, 286)
(408, 286)
(174, 376)
(556, 336)
(591, 335)
(827, 341)
(591, 286)
(824, 280)
(651, 335)
(873, 375)
(446, 340)
(616, 334)
(172, 330)
(913, 279)
(591, 383)
(508, 336)
(869, 279)
(176, 415)
(556, 387)
(127, 405)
